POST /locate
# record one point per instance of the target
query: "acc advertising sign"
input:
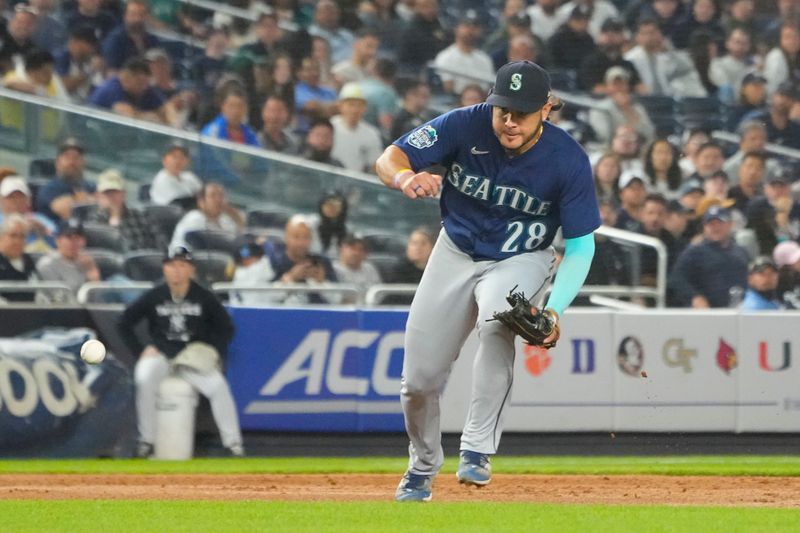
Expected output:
(320, 370)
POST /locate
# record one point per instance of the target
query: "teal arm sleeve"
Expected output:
(572, 272)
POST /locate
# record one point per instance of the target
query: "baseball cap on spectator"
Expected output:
(154, 54)
(717, 212)
(177, 145)
(719, 174)
(777, 177)
(85, 34)
(786, 253)
(628, 177)
(690, 186)
(617, 72)
(110, 180)
(179, 253)
(353, 238)
(753, 77)
(351, 91)
(70, 143)
(519, 20)
(521, 86)
(612, 25)
(580, 12)
(470, 16)
(24, 7)
(674, 206)
(787, 89)
(69, 227)
(12, 184)
(761, 263)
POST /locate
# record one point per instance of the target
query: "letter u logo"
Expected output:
(763, 357)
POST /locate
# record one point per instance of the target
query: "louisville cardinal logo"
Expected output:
(537, 360)
(726, 357)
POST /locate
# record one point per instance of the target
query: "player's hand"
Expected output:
(554, 336)
(421, 185)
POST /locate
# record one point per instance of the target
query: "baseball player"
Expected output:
(189, 330)
(512, 180)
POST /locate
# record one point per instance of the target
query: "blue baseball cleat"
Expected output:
(474, 468)
(414, 488)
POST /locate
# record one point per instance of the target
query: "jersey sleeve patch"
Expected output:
(424, 137)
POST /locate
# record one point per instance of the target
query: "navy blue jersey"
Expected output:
(495, 206)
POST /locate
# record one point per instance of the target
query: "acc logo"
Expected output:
(674, 354)
(726, 357)
(425, 137)
(630, 356)
(537, 360)
(516, 82)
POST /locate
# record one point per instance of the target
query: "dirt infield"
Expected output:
(672, 490)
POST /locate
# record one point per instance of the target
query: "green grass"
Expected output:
(273, 517)
(673, 465)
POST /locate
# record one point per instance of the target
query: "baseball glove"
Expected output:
(533, 325)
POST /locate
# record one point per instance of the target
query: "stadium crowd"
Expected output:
(333, 82)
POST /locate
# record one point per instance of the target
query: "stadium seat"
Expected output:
(386, 264)
(212, 266)
(83, 211)
(662, 112)
(144, 192)
(385, 243)
(702, 112)
(105, 237)
(269, 217)
(144, 265)
(109, 263)
(164, 218)
(42, 168)
(212, 240)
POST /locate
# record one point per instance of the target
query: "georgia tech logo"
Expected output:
(516, 82)
(675, 355)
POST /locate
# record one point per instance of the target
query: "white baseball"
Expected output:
(93, 351)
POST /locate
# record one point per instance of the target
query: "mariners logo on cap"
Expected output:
(516, 82)
(424, 137)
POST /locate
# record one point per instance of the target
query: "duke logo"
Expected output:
(424, 137)
(516, 82)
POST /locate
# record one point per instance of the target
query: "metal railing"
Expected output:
(376, 293)
(92, 289)
(344, 290)
(45, 291)
(771, 148)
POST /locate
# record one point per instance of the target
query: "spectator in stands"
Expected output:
(382, 98)
(517, 43)
(79, 64)
(705, 273)
(16, 38)
(693, 139)
(295, 263)
(609, 264)
(740, 14)
(661, 167)
(329, 224)
(472, 94)
(781, 129)
(632, 193)
(183, 320)
(464, 56)
(545, 18)
(327, 24)
(664, 71)
(252, 267)
(90, 13)
(619, 108)
(762, 284)
(131, 94)
(68, 263)
(775, 216)
(423, 38)
(175, 183)
(319, 143)
(207, 70)
(677, 224)
(716, 185)
(277, 79)
(56, 198)
(598, 11)
(627, 145)
(753, 138)
(607, 171)
(782, 62)
(691, 194)
(131, 38)
(179, 99)
(728, 71)
(751, 174)
(653, 217)
(670, 14)
(312, 101)
(382, 17)
(572, 42)
(15, 264)
(416, 96)
(707, 160)
(15, 200)
(321, 53)
(787, 258)
(231, 123)
(513, 10)
(50, 34)
(752, 97)
(275, 133)
(359, 66)
(418, 251)
(353, 265)
(594, 68)
(136, 230)
(355, 143)
(788, 10)
(703, 17)
(702, 50)
(213, 213)
(36, 76)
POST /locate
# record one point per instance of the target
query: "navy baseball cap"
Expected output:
(717, 212)
(73, 226)
(520, 86)
(179, 253)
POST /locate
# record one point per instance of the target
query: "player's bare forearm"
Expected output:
(394, 170)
